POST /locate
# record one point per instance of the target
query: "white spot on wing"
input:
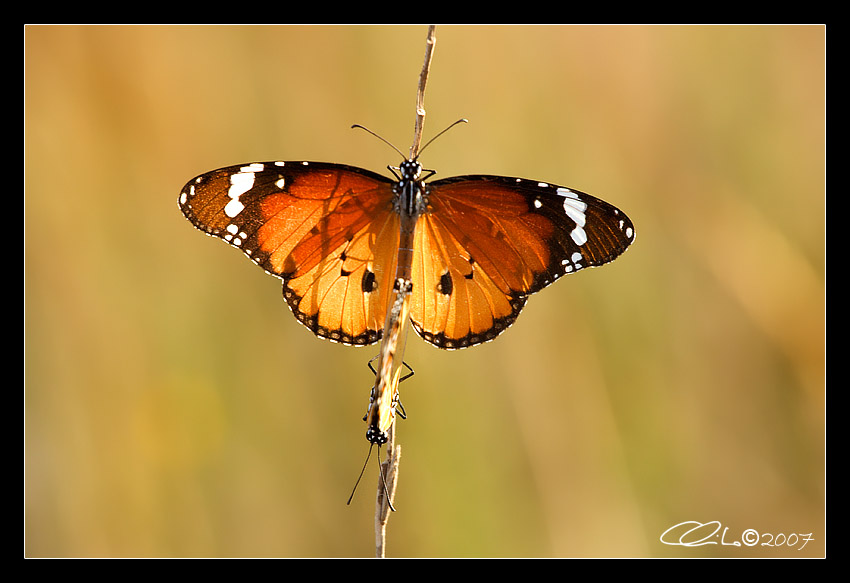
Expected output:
(233, 208)
(578, 236)
(240, 183)
(575, 210)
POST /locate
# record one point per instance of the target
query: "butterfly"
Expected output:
(384, 397)
(474, 248)
(384, 401)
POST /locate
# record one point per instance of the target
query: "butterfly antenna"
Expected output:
(357, 125)
(360, 477)
(384, 483)
(428, 143)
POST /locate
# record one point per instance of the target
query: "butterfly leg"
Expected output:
(400, 408)
(407, 376)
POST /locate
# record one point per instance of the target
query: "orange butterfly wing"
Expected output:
(328, 230)
(485, 243)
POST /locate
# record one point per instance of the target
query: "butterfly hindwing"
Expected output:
(328, 230)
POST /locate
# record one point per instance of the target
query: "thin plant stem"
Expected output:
(420, 93)
(389, 468)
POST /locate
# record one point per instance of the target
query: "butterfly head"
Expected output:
(375, 436)
(410, 170)
(381, 413)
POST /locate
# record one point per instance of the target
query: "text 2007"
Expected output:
(692, 533)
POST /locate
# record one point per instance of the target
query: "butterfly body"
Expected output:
(473, 247)
(409, 203)
(384, 398)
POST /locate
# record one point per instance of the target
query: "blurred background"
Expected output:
(175, 408)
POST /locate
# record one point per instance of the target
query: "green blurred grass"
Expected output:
(173, 406)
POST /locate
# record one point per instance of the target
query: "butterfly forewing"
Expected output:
(486, 242)
(328, 230)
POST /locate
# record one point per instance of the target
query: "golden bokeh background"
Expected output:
(175, 408)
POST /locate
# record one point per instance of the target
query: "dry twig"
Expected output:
(420, 93)
(389, 468)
